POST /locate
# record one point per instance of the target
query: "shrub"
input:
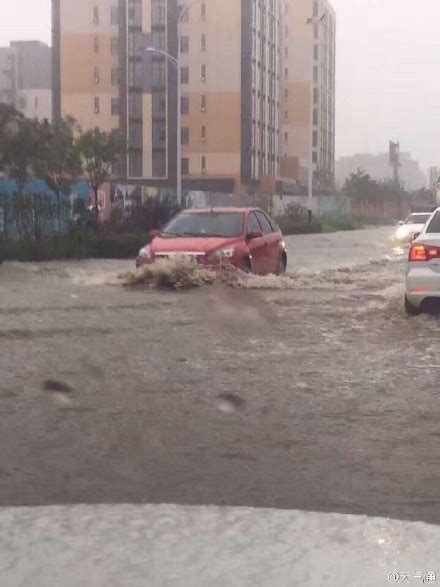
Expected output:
(77, 245)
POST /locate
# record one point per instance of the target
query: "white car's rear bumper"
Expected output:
(422, 283)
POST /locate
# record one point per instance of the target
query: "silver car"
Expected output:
(423, 274)
(411, 226)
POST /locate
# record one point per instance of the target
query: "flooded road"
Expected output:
(311, 392)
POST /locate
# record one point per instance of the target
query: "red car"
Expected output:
(246, 238)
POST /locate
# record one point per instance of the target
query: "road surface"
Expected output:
(313, 392)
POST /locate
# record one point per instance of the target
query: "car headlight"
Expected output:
(222, 254)
(145, 253)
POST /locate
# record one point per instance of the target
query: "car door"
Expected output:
(272, 252)
(257, 246)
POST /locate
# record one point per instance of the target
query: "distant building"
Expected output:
(26, 78)
(411, 175)
(433, 177)
(309, 67)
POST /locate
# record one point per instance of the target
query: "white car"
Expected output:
(412, 226)
(423, 274)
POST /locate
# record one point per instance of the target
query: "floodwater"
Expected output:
(312, 391)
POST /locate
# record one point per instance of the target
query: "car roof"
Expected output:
(221, 210)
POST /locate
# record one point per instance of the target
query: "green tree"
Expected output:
(59, 161)
(360, 186)
(100, 151)
(20, 146)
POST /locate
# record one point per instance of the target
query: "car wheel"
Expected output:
(246, 266)
(282, 264)
(410, 309)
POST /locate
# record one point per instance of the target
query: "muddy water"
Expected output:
(313, 391)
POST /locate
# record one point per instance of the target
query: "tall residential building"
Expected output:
(230, 76)
(25, 78)
(309, 76)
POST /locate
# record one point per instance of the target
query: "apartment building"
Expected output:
(231, 62)
(309, 76)
(25, 78)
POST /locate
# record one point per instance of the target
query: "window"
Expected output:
(203, 73)
(203, 11)
(115, 76)
(286, 137)
(184, 44)
(96, 43)
(203, 164)
(185, 166)
(115, 45)
(315, 7)
(286, 116)
(315, 117)
(96, 14)
(315, 157)
(315, 52)
(286, 72)
(96, 75)
(203, 42)
(115, 106)
(286, 52)
(286, 94)
(115, 15)
(203, 103)
(184, 75)
(253, 224)
(96, 105)
(185, 105)
(434, 225)
(315, 74)
(203, 133)
(264, 222)
(185, 135)
(315, 138)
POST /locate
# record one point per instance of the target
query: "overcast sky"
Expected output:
(388, 70)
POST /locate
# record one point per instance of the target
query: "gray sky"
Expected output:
(388, 85)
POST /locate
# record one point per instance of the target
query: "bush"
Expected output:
(333, 222)
(77, 245)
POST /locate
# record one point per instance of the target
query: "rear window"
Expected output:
(418, 219)
(434, 225)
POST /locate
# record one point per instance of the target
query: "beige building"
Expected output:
(85, 61)
(231, 55)
(309, 67)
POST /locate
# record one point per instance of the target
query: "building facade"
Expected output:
(25, 78)
(309, 76)
(231, 65)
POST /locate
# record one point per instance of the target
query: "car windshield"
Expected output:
(203, 224)
(418, 219)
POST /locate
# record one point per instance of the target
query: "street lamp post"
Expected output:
(177, 64)
(312, 21)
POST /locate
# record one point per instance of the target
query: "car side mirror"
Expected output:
(416, 235)
(253, 234)
(400, 223)
(152, 235)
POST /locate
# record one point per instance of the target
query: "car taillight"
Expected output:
(423, 253)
